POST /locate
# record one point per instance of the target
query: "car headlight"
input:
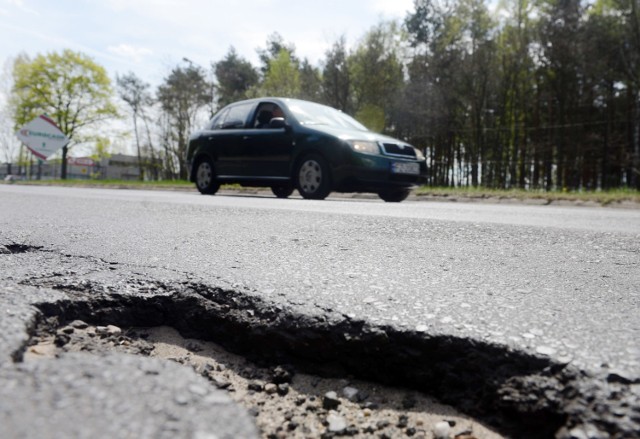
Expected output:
(419, 155)
(364, 146)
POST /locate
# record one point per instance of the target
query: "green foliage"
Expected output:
(182, 95)
(375, 69)
(372, 117)
(283, 77)
(102, 149)
(336, 79)
(235, 76)
(68, 86)
(604, 198)
(544, 94)
(310, 82)
(275, 45)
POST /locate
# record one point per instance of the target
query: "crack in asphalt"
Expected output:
(15, 248)
(520, 394)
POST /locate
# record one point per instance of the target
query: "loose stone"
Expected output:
(283, 389)
(280, 375)
(256, 386)
(220, 383)
(336, 423)
(441, 430)
(113, 330)
(350, 393)
(330, 401)
(270, 388)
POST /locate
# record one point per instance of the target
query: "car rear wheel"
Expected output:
(282, 191)
(206, 178)
(313, 178)
(394, 196)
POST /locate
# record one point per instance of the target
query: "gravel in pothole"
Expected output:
(285, 404)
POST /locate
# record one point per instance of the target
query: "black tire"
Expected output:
(282, 191)
(206, 178)
(394, 196)
(313, 177)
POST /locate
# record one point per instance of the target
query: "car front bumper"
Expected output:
(377, 172)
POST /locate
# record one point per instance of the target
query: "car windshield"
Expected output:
(308, 113)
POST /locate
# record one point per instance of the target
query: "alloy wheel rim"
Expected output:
(204, 175)
(310, 176)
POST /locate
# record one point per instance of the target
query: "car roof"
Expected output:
(275, 99)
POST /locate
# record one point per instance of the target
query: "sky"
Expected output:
(149, 37)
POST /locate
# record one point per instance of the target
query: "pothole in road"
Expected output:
(517, 394)
(285, 403)
(472, 377)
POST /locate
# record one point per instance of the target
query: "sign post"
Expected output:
(42, 136)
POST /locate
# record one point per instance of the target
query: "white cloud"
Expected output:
(19, 4)
(395, 8)
(147, 35)
(133, 53)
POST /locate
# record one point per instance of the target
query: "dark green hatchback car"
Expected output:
(288, 144)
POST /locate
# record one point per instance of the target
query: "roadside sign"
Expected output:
(42, 136)
(81, 161)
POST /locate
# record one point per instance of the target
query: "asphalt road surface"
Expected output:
(557, 283)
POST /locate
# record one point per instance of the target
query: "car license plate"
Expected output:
(405, 168)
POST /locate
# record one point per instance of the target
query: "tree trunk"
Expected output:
(634, 181)
(135, 130)
(63, 170)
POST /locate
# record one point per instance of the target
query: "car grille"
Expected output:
(397, 150)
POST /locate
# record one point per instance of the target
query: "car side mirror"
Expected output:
(278, 122)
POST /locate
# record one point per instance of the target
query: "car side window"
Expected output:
(266, 112)
(263, 116)
(218, 120)
(237, 116)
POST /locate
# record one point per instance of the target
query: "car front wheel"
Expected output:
(313, 179)
(394, 196)
(206, 179)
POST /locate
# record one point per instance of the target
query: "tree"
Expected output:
(9, 143)
(436, 35)
(310, 82)
(275, 45)
(135, 93)
(560, 32)
(283, 77)
(513, 102)
(68, 86)
(376, 75)
(336, 79)
(630, 48)
(182, 95)
(235, 76)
